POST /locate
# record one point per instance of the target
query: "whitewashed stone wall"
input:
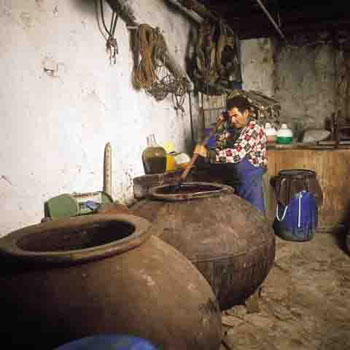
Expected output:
(54, 127)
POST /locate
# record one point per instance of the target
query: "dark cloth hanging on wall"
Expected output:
(216, 59)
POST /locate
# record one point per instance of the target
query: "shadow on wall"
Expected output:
(87, 6)
(341, 233)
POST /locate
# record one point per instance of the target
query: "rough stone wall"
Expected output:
(303, 78)
(305, 84)
(61, 101)
(258, 65)
(342, 81)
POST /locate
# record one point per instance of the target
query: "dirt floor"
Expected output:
(303, 304)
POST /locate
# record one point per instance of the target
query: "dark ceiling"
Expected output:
(292, 16)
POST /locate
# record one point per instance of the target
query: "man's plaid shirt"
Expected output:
(251, 143)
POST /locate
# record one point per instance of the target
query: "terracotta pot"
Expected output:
(88, 275)
(227, 238)
(113, 208)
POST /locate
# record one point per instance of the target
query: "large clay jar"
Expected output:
(228, 239)
(99, 274)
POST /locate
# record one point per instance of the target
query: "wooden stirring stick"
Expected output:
(196, 155)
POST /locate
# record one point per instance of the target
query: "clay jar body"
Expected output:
(99, 274)
(225, 237)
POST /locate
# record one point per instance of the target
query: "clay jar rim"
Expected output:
(10, 250)
(297, 173)
(155, 192)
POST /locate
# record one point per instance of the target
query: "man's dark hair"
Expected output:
(240, 102)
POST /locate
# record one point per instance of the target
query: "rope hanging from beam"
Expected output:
(122, 7)
(150, 72)
(111, 41)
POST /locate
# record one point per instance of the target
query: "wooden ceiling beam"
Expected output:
(200, 9)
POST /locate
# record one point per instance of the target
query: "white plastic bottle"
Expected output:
(270, 133)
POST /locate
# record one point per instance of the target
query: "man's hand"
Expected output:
(201, 150)
(223, 117)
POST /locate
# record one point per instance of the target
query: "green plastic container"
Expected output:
(284, 135)
(284, 140)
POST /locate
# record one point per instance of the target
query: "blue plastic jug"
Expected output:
(297, 221)
(108, 342)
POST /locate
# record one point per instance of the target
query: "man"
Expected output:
(244, 146)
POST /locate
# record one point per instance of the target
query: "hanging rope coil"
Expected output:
(168, 84)
(150, 72)
(111, 41)
(151, 45)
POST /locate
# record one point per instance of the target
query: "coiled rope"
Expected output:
(150, 74)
